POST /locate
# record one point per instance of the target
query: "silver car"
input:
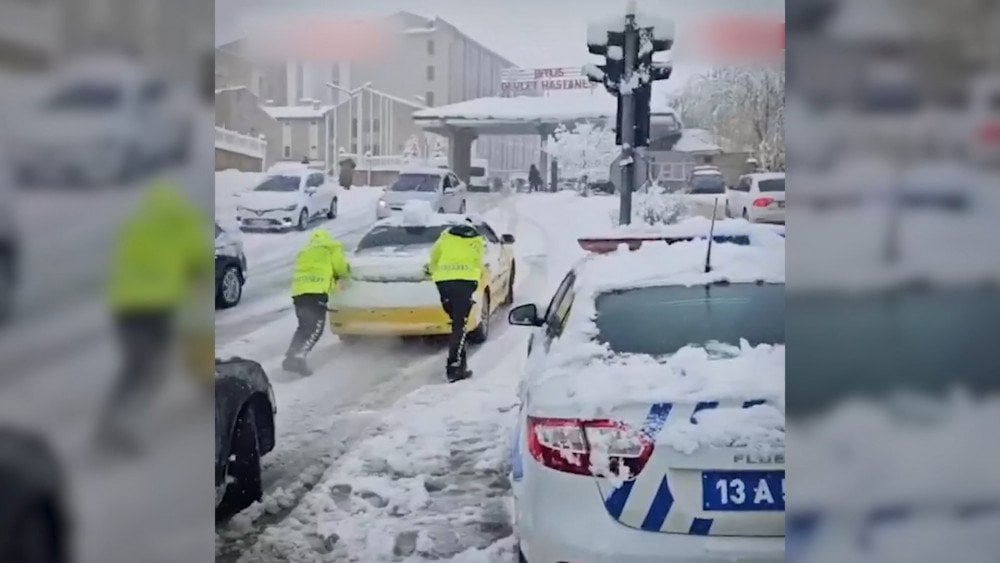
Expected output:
(438, 186)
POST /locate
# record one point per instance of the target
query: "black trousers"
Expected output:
(145, 339)
(456, 298)
(310, 310)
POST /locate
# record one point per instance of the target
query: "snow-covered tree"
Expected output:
(587, 149)
(743, 107)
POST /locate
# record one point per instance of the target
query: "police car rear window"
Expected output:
(393, 236)
(661, 320)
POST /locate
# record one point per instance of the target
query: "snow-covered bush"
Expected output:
(657, 208)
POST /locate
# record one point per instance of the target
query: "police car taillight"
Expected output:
(588, 447)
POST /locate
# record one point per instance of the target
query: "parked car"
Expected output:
(102, 122)
(291, 195)
(705, 194)
(34, 519)
(230, 269)
(661, 440)
(479, 175)
(440, 187)
(244, 432)
(759, 198)
(390, 294)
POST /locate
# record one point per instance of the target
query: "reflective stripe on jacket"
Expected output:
(458, 256)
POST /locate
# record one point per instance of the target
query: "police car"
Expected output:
(651, 425)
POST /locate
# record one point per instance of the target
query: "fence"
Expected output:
(239, 143)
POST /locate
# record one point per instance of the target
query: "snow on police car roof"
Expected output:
(419, 213)
(584, 377)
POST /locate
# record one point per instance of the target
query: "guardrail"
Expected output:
(240, 143)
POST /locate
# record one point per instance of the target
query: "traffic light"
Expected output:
(610, 46)
(648, 71)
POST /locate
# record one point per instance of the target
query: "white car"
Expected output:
(641, 439)
(290, 196)
(103, 121)
(479, 175)
(439, 187)
(705, 194)
(758, 197)
(230, 269)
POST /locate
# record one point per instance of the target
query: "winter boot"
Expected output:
(457, 372)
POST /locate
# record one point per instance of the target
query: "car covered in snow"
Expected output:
(290, 196)
(230, 268)
(758, 197)
(389, 292)
(705, 193)
(244, 431)
(651, 423)
(439, 187)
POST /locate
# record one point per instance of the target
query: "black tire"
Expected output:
(482, 331)
(243, 467)
(227, 295)
(303, 220)
(509, 300)
(332, 212)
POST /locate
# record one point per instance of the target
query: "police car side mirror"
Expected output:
(524, 315)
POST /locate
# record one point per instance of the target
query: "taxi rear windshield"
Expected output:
(661, 320)
(393, 236)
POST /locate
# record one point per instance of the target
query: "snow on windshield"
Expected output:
(279, 184)
(418, 213)
(392, 236)
(416, 183)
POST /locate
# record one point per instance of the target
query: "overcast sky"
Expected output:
(531, 33)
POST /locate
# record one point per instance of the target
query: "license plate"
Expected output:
(743, 490)
(259, 223)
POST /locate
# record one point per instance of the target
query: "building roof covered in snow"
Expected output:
(542, 108)
(697, 141)
(311, 111)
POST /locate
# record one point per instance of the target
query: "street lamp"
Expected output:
(350, 108)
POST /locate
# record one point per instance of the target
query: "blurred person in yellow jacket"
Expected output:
(456, 266)
(163, 251)
(318, 267)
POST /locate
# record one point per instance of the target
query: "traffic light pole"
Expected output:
(628, 123)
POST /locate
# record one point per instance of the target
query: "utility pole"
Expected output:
(627, 120)
(628, 74)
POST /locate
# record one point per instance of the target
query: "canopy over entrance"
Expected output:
(464, 121)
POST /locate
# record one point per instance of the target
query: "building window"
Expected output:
(429, 99)
(430, 46)
(288, 151)
(430, 72)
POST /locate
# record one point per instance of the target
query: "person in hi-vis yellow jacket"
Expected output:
(318, 268)
(163, 251)
(456, 266)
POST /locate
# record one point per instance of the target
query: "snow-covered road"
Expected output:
(377, 458)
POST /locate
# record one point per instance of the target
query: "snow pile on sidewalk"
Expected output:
(429, 483)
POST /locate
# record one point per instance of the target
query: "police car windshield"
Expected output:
(279, 184)
(396, 236)
(661, 320)
(416, 183)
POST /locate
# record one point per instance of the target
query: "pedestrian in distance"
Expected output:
(456, 266)
(161, 257)
(318, 268)
(534, 179)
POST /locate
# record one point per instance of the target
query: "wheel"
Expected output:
(509, 299)
(482, 331)
(229, 290)
(303, 220)
(243, 468)
(332, 213)
(461, 208)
